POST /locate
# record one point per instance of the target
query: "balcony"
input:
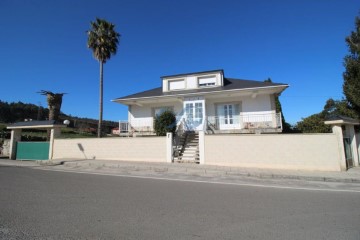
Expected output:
(140, 127)
(244, 123)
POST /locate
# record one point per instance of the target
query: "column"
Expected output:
(169, 147)
(202, 147)
(54, 133)
(337, 130)
(354, 150)
(15, 137)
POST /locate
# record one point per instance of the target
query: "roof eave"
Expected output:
(37, 126)
(124, 100)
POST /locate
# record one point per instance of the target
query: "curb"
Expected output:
(195, 171)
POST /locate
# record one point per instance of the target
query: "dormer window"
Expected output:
(207, 81)
(177, 84)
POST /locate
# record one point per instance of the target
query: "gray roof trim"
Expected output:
(183, 93)
(194, 73)
(36, 124)
(342, 120)
(229, 84)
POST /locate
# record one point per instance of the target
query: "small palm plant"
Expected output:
(103, 41)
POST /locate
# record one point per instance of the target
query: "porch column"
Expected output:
(54, 133)
(337, 130)
(15, 137)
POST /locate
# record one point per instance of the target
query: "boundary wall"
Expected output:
(147, 149)
(276, 151)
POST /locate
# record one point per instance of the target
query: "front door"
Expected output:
(194, 114)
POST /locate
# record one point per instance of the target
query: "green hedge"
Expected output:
(165, 122)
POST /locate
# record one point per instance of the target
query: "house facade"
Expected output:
(206, 101)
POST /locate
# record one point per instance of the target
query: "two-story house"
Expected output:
(207, 101)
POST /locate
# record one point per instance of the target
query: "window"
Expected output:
(189, 111)
(228, 113)
(175, 85)
(198, 111)
(207, 81)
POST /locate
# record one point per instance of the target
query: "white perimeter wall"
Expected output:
(277, 151)
(148, 149)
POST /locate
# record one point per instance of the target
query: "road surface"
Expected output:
(39, 204)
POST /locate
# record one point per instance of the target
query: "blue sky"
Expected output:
(43, 46)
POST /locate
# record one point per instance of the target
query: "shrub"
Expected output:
(165, 122)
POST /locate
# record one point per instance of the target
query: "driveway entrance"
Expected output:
(33, 150)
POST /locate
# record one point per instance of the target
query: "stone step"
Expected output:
(191, 150)
(190, 155)
(189, 159)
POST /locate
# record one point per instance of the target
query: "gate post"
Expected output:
(202, 147)
(337, 130)
(15, 137)
(351, 131)
(169, 147)
(54, 133)
(337, 122)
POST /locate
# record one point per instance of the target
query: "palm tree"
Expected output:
(103, 41)
(54, 101)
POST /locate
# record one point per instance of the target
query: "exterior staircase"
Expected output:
(188, 148)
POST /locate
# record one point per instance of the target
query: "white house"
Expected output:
(207, 101)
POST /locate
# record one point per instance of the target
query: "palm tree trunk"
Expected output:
(100, 101)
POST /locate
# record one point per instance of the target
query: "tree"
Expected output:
(351, 86)
(165, 122)
(54, 101)
(103, 41)
(315, 123)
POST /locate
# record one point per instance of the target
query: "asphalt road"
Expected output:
(38, 204)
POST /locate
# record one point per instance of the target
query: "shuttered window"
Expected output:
(174, 85)
(207, 81)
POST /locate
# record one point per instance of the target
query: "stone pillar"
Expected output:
(15, 137)
(54, 133)
(202, 147)
(169, 147)
(351, 132)
(337, 130)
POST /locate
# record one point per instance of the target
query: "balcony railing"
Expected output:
(136, 125)
(243, 121)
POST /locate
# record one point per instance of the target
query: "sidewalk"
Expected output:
(350, 176)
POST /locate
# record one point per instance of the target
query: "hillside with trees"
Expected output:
(19, 111)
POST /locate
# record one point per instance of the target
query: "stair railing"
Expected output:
(179, 133)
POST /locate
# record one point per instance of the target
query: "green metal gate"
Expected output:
(32, 150)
